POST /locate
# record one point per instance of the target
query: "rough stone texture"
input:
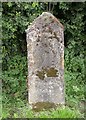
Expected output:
(45, 47)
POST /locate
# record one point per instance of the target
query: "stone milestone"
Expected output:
(45, 48)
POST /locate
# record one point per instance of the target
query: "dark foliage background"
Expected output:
(15, 19)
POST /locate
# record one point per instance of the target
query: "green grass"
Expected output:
(26, 112)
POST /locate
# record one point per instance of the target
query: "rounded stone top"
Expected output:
(48, 14)
(45, 18)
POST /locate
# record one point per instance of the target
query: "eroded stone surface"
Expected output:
(45, 46)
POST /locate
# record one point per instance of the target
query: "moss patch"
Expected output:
(49, 72)
(43, 106)
(41, 74)
(52, 72)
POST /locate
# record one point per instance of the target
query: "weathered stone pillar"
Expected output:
(45, 47)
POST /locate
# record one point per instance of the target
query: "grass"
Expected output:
(26, 112)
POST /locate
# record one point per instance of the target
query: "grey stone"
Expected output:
(45, 47)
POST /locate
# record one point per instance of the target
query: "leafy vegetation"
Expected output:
(15, 19)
